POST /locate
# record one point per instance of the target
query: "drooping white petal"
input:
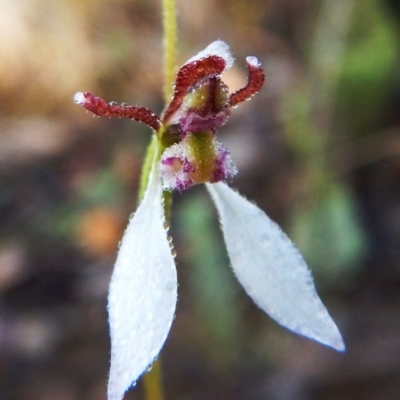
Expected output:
(217, 48)
(271, 269)
(143, 293)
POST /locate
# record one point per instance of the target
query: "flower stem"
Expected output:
(170, 39)
(152, 382)
(170, 32)
(147, 165)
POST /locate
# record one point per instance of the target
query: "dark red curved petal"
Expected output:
(254, 84)
(188, 75)
(112, 110)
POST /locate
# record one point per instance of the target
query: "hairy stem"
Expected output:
(147, 165)
(153, 380)
(170, 39)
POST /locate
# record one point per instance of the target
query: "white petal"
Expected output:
(143, 293)
(217, 48)
(271, 269)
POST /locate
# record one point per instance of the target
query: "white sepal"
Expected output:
(216, 48)
(143, 293)
(271, 269)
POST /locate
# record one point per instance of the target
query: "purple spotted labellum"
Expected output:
(143, 289)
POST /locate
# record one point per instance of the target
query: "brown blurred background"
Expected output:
(318, 149)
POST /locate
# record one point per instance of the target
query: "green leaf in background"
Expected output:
(370, 60)
(330, 237)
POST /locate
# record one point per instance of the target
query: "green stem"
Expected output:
(147, 164)
(153, 383)
(153, 380)
(170, 40)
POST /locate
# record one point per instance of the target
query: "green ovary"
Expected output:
(202, 147)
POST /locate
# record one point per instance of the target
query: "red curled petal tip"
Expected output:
(112, 110)
(188, 75)
(255, 81)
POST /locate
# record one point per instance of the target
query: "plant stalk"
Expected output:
(153, 379)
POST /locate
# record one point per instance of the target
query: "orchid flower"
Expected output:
(143, 289)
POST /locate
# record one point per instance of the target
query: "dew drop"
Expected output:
(253, 61)
(79, 98)
(149, 368)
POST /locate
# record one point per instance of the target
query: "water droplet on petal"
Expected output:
(79, 98)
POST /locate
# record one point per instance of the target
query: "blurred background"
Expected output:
(318, 149)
